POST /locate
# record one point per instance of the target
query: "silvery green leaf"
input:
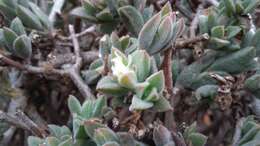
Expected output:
(89, 8)
(104, 15)
(166, 9)
(139, 104)
(7, 11)
(232, 31)
(52, 141)
(162, 105)
(91, 126)
(141, 62)
(132, 18)
(28, 18)
(104, 135)
(148, 13)
(34, 141)
(217, 43)
(163, 34)
(10, 3)
(9, 37)
(17, 26)
(110, 86)
(218, 31)
(148, 32)
(124, 41)
(80, 12)
(111, 144)
(157, 80)
(126, 139)
(91, 77)
(235, 62)
(251, 6)
(203, 24)
(22, 47)
(206, 91)
(153, 96)
(230, 7)
(74, 105)
(255, 41)
(197, 139)
(40, 14)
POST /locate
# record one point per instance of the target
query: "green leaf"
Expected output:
(218, 31)
(148, 32)
(111, 144)
(104, 135)
(67, 142)
(100, 104)
(28, 18)
(162, 105)
(141, 62)
(126, 138)
(230, 7)
(40, 14)
(74, 105)
(166, 9)
(108, 85)
(232, 31)
(52, 141)
(9, 37)
(80, 12)
(162, 37)
(157, 80)
(206, 91)
(255, 41)
(251, 6)
(58, 131)
(236, 62)
(197, 139)
(91, 126)
(22, 47)
(7, 11)
(132, 19)
(89, 8)
(139, 104)
(105, 15)
(91, 77)
(203, 24)
(216, 43)
(249, 135)
(17, 26)
(34, 141)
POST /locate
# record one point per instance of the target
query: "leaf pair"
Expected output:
(15, 39)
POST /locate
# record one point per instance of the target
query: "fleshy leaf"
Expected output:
(139, 104)
(22, 47)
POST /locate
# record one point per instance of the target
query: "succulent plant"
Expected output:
(15, 39)
(131, 75)
(28, 12)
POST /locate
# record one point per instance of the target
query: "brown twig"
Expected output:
(188, 42)
(20, 120)
(87, 31)
(74, 71)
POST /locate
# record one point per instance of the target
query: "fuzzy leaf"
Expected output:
(74, 105)
(197, 139)
(22, 47)
(157, 80)
(28, 18)
(148, 32)
(232, 31)
(206, 91)
(139, 104)
(218, 31)
(141, 62)
(80, 12)
(17, 26)
(40, 14)
(104, 135)
(111, 144)
(162, 105)
(104, 15)
(236, 62)
(108, 85)
(230, 7)
(132, 18)
(90, 127)
(34, 141)
(9, 37)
